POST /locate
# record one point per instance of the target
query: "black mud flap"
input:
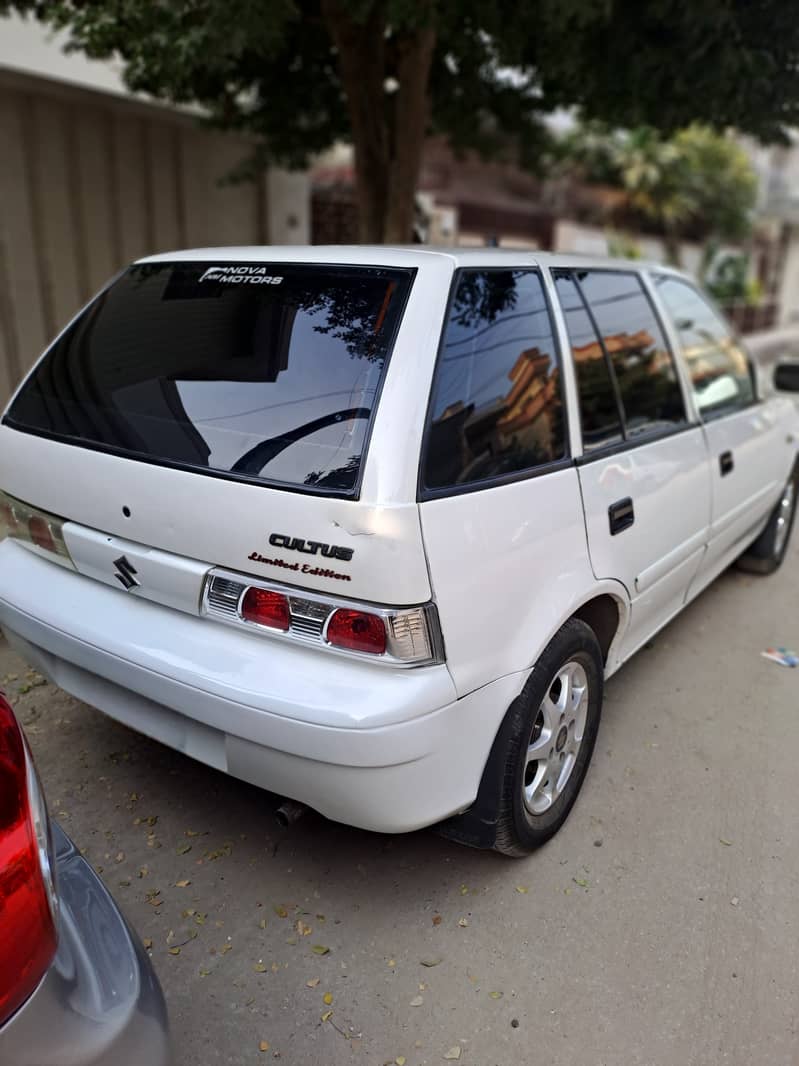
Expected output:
(477, 827)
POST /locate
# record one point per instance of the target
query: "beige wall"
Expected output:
(89, 181)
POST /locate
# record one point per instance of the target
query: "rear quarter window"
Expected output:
(496, 409)
(259, 371)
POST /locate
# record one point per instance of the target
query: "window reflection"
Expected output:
(717, 365)
(260, 371)
(641, 362)
(497, 403)
(599, 411)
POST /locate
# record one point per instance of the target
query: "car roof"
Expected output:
(399, 255)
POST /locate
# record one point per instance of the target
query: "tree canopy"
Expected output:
(300, 75)
(694, 182)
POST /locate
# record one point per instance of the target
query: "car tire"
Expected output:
(557, 716)
(768, 551)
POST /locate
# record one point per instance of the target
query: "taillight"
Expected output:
(27, 889)
(39, 529)
(266, 608)
(357, 630)
(28, 524)
(393, 636)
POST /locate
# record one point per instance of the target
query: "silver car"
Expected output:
(76, 986)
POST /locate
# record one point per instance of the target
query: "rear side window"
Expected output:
(642, 364)
(599, 409)
(720, 373)
(496, 408)
(262, 371)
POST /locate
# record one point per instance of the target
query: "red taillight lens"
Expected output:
(27, 925)
(40, 534)
(266, 608)
(357, 630)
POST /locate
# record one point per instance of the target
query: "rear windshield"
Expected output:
(265, 371)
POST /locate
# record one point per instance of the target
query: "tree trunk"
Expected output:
(671, 242)
(388, 129)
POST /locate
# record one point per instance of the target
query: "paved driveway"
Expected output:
(660, 926)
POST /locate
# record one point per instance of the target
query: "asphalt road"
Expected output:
(659, 927)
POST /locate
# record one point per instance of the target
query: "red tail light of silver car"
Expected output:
(27, 888)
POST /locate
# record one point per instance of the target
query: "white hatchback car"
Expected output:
(369, 527)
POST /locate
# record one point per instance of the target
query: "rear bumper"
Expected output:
(384, 749)
(100, 1002)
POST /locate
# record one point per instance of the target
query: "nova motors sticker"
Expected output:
(300, 568)
(238, 275)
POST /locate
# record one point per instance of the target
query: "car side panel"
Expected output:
(759, 439)
(508, 566)
(657, 556)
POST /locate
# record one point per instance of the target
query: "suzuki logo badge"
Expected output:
(125, 572)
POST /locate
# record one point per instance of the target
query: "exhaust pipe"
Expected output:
(289, 812)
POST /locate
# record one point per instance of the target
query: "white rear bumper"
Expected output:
(384, 749)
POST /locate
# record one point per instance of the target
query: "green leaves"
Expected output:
(495, 70)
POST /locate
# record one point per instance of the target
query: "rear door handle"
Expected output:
(726, 463)
(621, 515)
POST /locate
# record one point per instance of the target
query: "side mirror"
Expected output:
(786, 377)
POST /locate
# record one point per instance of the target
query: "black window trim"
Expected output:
(226, 475)
(423, 493)
(637, 439)
(723, 410)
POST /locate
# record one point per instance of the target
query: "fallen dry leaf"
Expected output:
(417, 1001)
(400, 1060)
(264, 1045)
(463, 922)
(262, 923)
(182, 884)
(302, 928)
(436, 919)
(183, 849)
(281, 911)
(327, 1015)
(327, 998)
(313, 982)
(453, 1053)
(495, 995)
(430, 962)
(174, 951)
(148, 942)
(320, 949)
(522, 889)
(259, 967)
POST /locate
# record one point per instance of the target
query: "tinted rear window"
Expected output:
(266, 371)
(497, 410)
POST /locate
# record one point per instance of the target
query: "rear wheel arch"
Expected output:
(605, 615)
